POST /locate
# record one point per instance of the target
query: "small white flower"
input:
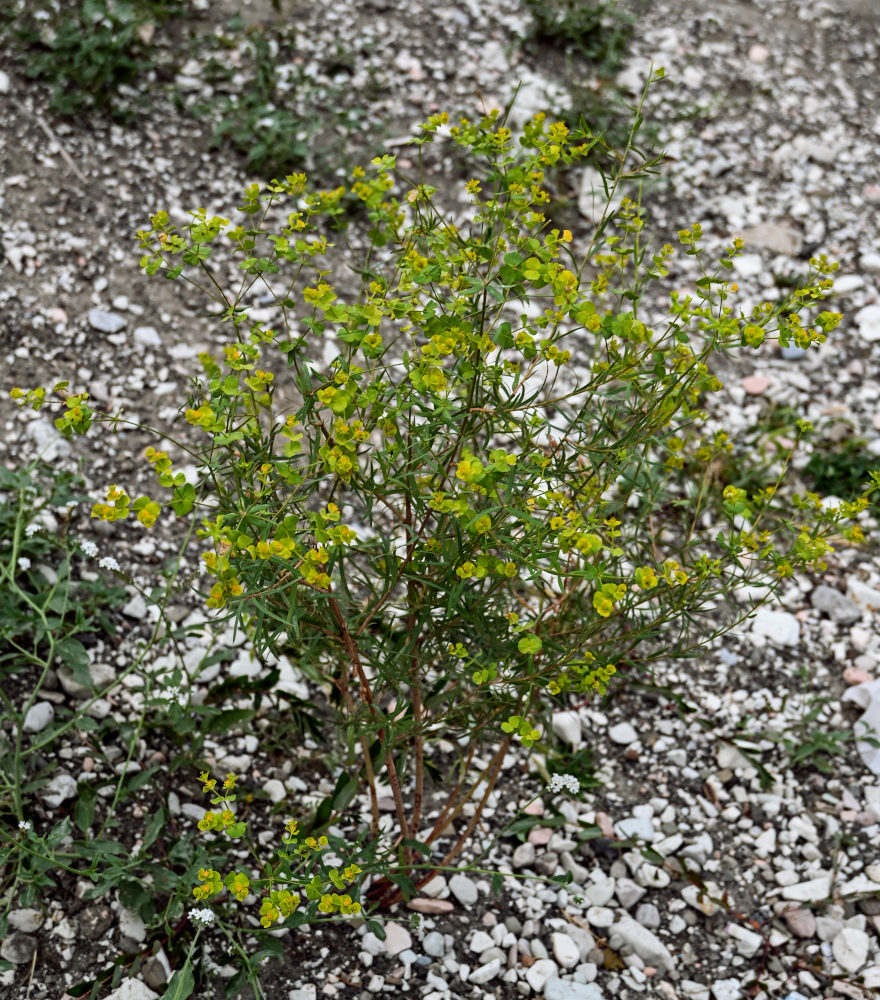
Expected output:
(24, 562)
(88, 548)
(108, 562)
(564, 782)
(203, 916)
(24, 825)
(32, 528)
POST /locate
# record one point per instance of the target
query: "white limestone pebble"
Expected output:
(132, 989)
(650, 949)
(567, 726)
(464, 889)
(727, 989)
(812, 891)
(779, 627)
(623, 733)
(850, 949)
(38, 716)
(538, 974)
(868, 322)
(61, 788)
(565, 951)
(485, 972)
(562, 989)
(275, 790)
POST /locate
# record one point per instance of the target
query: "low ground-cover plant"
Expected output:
(454, 489)
(86, 50)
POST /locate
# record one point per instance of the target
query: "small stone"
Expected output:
(18, 948)
(636, 828)
(485, 972)
(156, 971)
(540, 836)
(132, 989)
(147, 336)
(793, 353)
(538, 974)
(131, 925)
(727, 989)
(774, 236)
(754, 385)
(765, 843)
(524, 855)
(426, 905)
(759, 54)
(565, 951)
(4, 82)
(648, 916)
(747, 942)
(578, 872)
(106, 322)
(837, 606)
(562, 989)
(600, 888)
(801, 923)
(307, 992)
(644, 943)
(26, 920)
(748, 265)
(701, 900)
(480, 942)
(868, 322)
(567, 726)
(464, 889)
(853, 676)
(38, 716)
(813, 891)
(136, 607)
(623, 733)
(434, 944)
(779, 627)
(102, 675)
(275, 790)
(61, 788)
(605, 824)
(436, 888)
(850, 949)
(862, 594)
(600, 916)
(397, 938)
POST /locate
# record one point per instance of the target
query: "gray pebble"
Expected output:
(18, 948)
(106, 322)
(434, 944)
(837, 606)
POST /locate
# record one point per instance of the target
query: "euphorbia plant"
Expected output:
(455, 487)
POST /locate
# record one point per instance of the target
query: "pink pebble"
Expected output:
(540, 836)
(754, 385)
(535, 808)
(649, 971)
(603, 821)
(852, 675)
(421, 905)
(759, 54)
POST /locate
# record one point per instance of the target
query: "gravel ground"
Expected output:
(770, 883)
